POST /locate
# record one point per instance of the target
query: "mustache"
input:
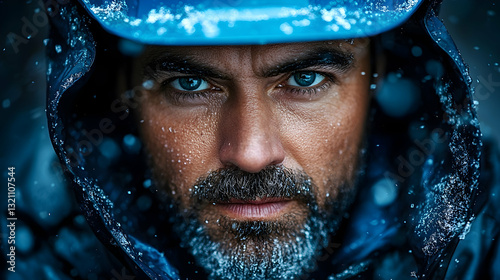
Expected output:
(272, 182)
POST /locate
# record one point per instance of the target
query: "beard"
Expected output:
(284, 248)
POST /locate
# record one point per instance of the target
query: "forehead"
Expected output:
(260, 54)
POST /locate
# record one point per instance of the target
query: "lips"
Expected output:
(261, 208)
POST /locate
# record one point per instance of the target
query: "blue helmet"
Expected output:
(233, 22)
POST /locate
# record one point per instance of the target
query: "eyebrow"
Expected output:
(185, 65)
(331, 58)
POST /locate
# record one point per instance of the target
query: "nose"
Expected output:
(250, 134)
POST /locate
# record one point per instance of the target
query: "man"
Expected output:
(300, 141)
(237, 152)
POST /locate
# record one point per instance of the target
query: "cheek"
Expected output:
(180, 147)
(326, 142)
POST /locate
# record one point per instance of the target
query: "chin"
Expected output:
(256, 249)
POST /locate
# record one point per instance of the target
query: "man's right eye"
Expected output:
(190, 84)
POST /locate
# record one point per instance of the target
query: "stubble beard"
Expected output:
(287, 248)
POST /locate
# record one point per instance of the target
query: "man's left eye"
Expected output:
(305, 79)
(190, 84)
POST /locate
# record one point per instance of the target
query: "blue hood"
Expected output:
(437, 196)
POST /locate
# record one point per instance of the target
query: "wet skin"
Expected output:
(302, 106)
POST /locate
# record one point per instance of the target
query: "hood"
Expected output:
(424, 148)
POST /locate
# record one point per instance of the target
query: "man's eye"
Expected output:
(190, 84)
(305, 79)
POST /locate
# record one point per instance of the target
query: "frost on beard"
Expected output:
(286, 256)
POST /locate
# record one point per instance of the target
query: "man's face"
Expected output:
(258, 147)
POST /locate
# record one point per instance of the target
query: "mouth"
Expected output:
(258, 209)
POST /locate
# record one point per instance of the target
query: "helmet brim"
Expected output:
(251, 22)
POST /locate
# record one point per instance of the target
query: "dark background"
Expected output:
(24, 144)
